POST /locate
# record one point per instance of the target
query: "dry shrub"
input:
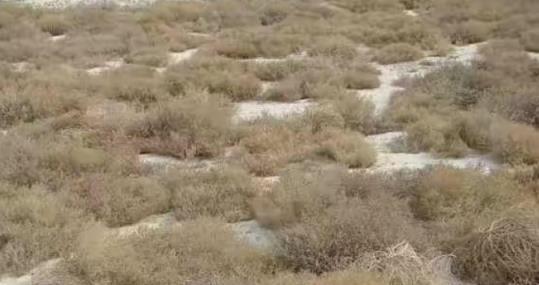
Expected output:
(515, 143)
(200, 251)
(125, 201)
(273, 71)
(445, 193)
(358, 114)
(530, 40)
(174, 12)
(436, 134)
(222, 193)
(274, 13)
(322, 229)
(360, 76)
(138, 85)
(349, 148)
(196, 125)
(54, 24)
(37, 225)
(215, 74)
(74, 159)
(20, 160)
(506, 252)
(399, 52)
(339, 48)
(469, 32)
(236, 49)
(151, 56)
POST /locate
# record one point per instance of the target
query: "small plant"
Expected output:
(54, 24)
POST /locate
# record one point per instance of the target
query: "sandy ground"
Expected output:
(157, 163)
(390, 73)
(108, 66)
(251, 110)
(296, 56)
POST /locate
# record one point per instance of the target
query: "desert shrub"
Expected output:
(323, 117)
(399, 52)
(445, 193)
(215, 74)
(435, 134)
(274, 13)
(360, 76)
(201, 250)
(469, 32)
(504, 252)
(137, 85)
(74, 159)
(20, 160)
(236, 49)
(150, 56)
(358, 114)
(322, 229)
(350, 276)
(175, 12)
(195, 125)
(530, 40)
(127, 200)
(273, 71)
(339, 48)
(37, 225)
(14, 109)
(475, 131)
(348, 148)
(54, 24)
(515, 143)
(222, 193)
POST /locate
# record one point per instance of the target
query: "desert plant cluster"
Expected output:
(126, 158)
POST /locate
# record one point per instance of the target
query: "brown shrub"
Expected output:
(530, 40)
(399, 52)
(222, 193)
(358, 114)
(273, 71)
(445, 193)
(339, 48)
(199, 251)
(515, 143)
(20, 160)
(348, 148)
(38, 226)
(195, 125)
(53, 24)
(469, 32)
(127, 200)
(363, 6)
(504, 252)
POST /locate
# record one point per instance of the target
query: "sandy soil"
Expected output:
(251, 110)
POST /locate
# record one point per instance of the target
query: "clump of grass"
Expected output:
(222, 193)
(399, 52)
(504, 252)
(202, 250)
(360, 76)
(54, 24)
(193, 126)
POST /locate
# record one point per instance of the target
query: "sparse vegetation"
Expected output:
(123, 162)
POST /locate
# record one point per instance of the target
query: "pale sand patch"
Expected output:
(57, 38)
(156, 163)
(22, 66)
(297, 56)
(177, 57)
(108, 66)
(388, 161)
(390, 73)
(534, 55)
(410, 13)
(251, 110)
